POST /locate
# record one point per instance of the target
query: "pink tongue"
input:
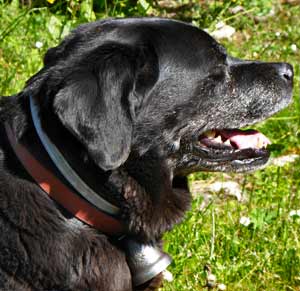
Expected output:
(243, 139)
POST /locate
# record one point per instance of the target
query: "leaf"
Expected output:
(67, 28)
(51, 1)
(54, 27)
(144, 7)
(86, 10)
(257, 218)
(144, 4)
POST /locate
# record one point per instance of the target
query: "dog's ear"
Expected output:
(100, 98)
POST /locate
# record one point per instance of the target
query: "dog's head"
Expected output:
(153, 95)
(140, 84)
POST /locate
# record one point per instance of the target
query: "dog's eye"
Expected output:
(174, 147)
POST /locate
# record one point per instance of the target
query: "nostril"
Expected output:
(287, 72)
(287, 76)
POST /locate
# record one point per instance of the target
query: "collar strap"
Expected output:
(65, 169)
(81, 207)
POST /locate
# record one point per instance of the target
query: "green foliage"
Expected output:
(265, 255)
(261, 256)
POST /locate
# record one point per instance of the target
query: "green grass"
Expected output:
(262, 256)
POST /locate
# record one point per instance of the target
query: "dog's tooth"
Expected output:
(227, 142)
(210, 133)
(218, 139)
(261, 144)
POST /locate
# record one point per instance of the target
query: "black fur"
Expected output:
(124, 100)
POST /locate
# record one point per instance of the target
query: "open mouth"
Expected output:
(247, 146)
(222, 150)
(234, 139)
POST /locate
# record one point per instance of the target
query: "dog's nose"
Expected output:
(286, 71)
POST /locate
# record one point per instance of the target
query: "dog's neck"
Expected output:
(38, 164)
(127, 187)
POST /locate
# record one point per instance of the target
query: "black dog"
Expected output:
(133, 105)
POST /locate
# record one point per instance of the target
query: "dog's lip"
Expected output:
(229, 154)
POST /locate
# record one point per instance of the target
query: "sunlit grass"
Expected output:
(262, 256)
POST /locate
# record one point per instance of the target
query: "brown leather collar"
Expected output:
(61, 192)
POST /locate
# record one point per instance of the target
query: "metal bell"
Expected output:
(145, 261)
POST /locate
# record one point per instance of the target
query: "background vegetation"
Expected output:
(262, 254)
